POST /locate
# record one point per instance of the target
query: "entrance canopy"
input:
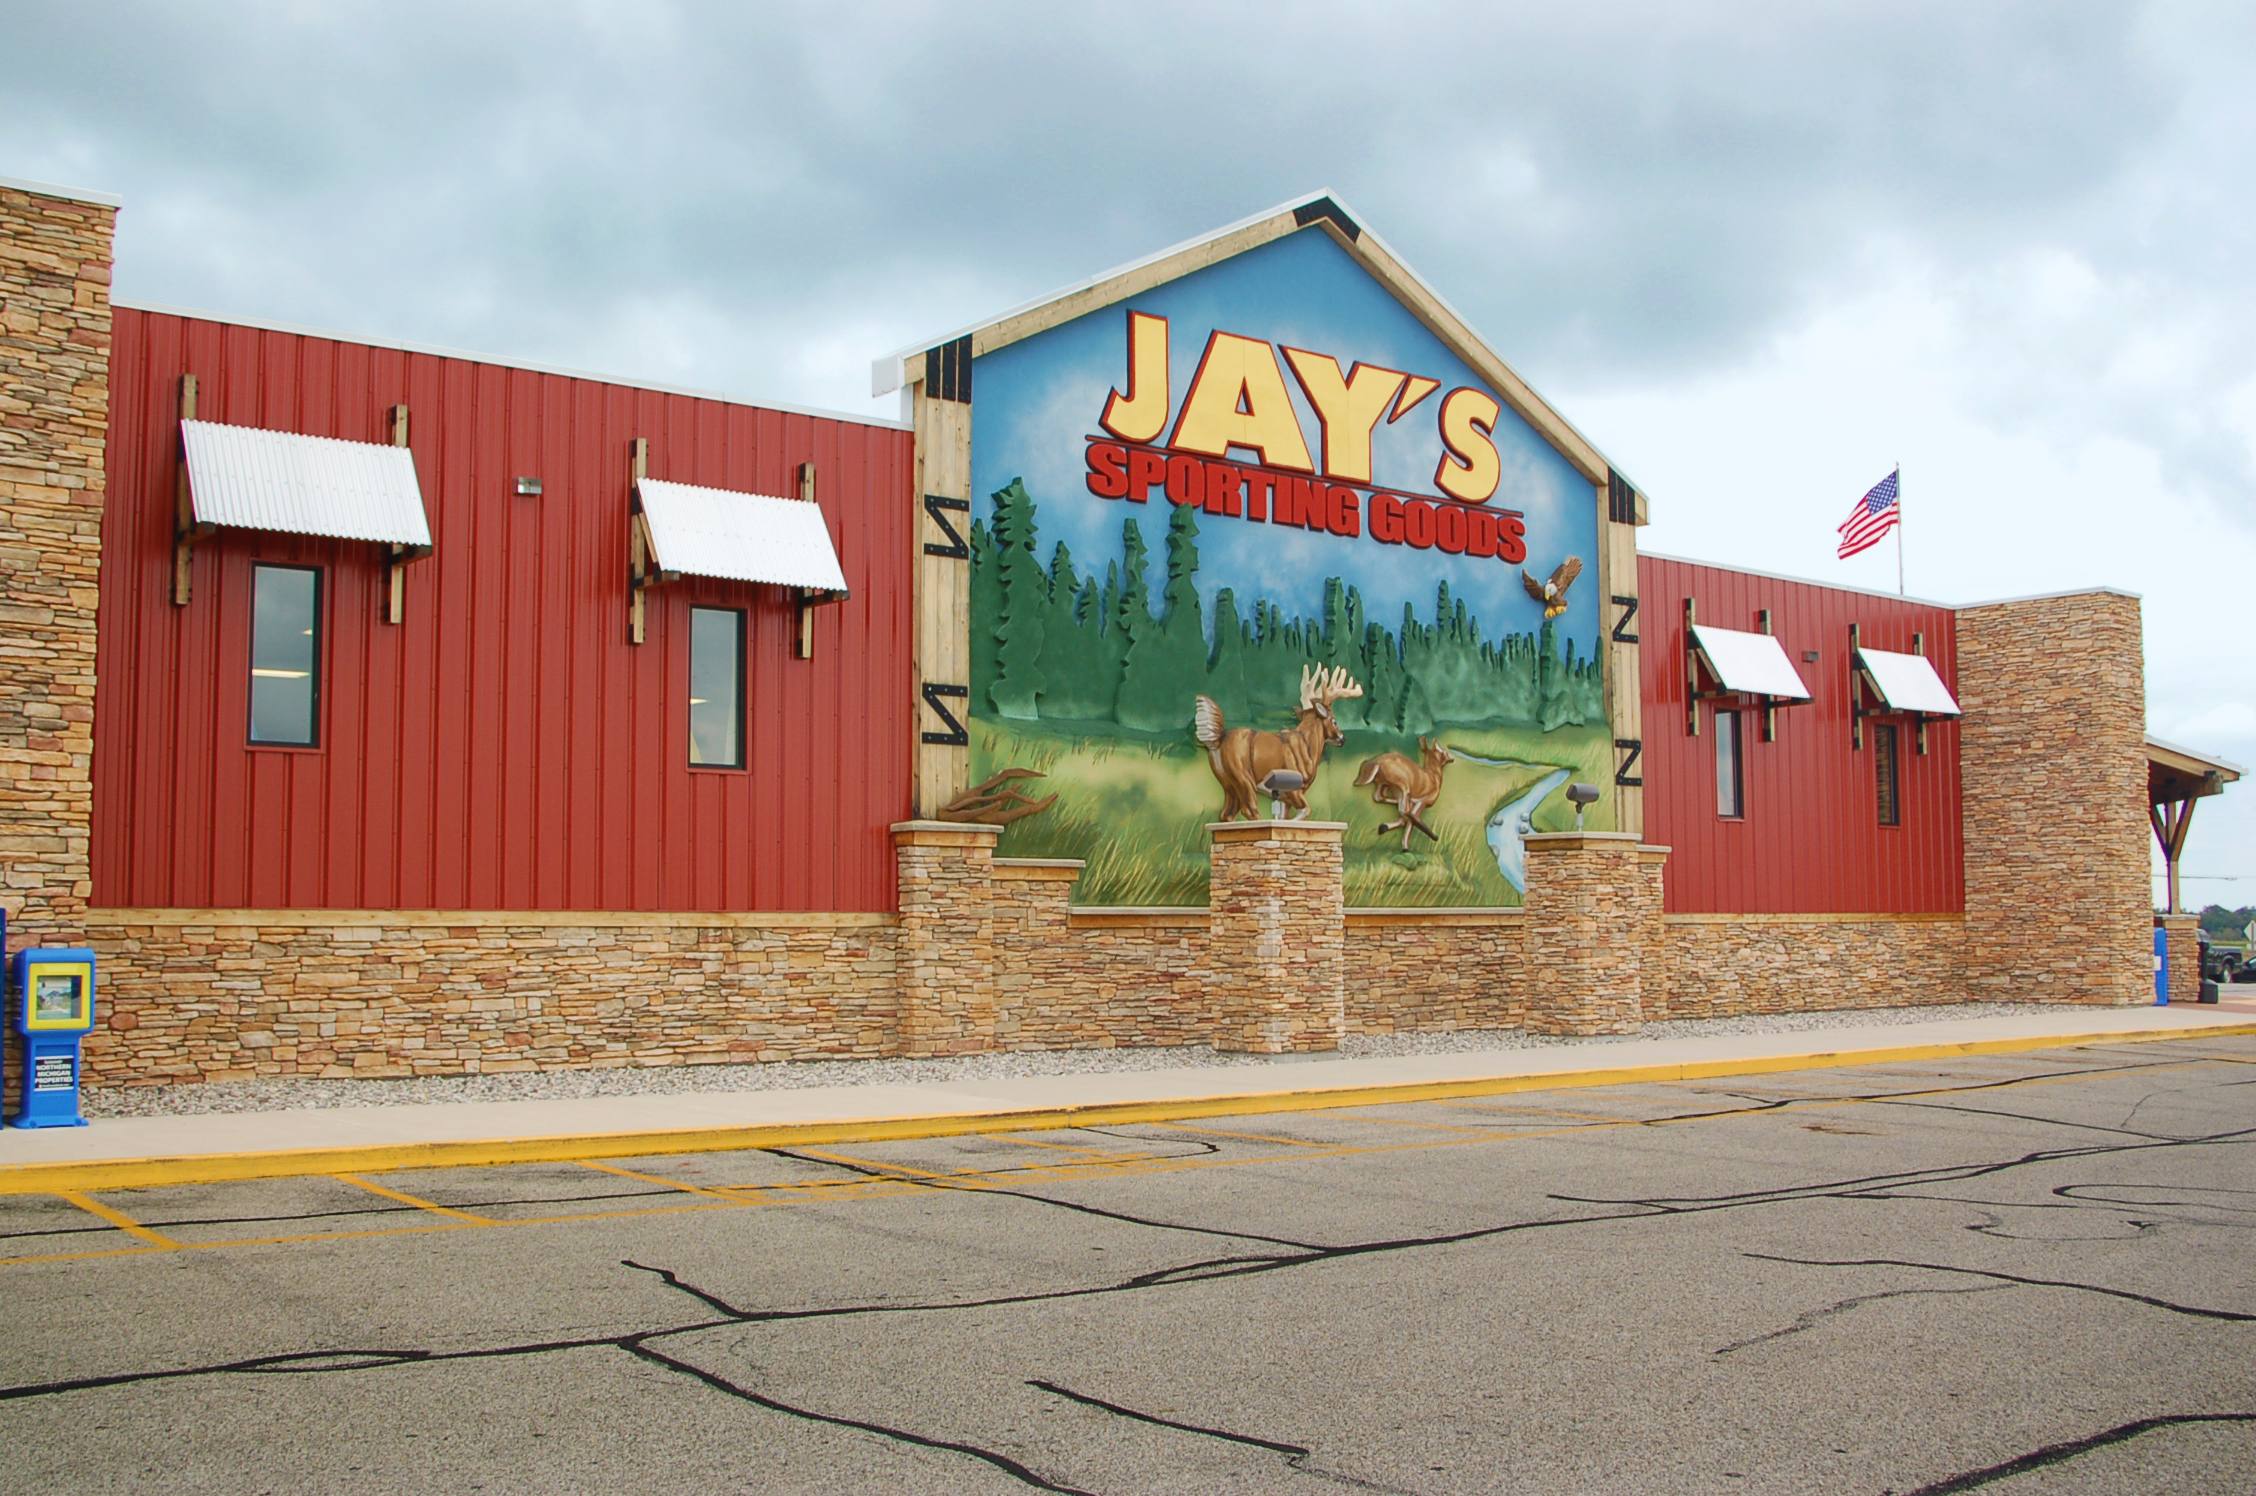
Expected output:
(2175, 778)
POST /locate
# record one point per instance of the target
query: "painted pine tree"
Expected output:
(1022, 616)
(1226, 664)
(1073, 685)
(986, 611)
(1166, 668)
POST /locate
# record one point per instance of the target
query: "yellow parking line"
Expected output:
(141, 1173)
(906, 1179)
(116, 1218)
(1251, 1137)
(377, 1189)
(695, 1189)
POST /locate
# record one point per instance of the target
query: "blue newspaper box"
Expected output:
(53, 992)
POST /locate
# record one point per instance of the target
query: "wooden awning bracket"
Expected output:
(1860, 682)
(397, 557)
(641, 577)
(1697, 665)
(185, 530)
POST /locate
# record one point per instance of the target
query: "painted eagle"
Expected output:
(1553, 594)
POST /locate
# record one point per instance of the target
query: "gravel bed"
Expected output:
(291, 1093)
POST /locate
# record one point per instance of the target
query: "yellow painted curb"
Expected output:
(213, 1168)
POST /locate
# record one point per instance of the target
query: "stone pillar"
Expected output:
(54, 427)
(1656, 971)
(2052, 761)
(1279, 943)
(945, 958)
(1586, 896)
(2185, 956)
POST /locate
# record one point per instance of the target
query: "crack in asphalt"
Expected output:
(1296, 1455)
(637, 1343)
(718, 1383)
(2195, 1311)
(974, 1187)
(2054, 1454)
(1815, 1317)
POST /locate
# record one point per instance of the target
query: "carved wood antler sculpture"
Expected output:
(992, 804)
(1242, 757)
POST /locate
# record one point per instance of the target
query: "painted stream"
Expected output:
(1508, 826)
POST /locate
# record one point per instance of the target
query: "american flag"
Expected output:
(1874, 516)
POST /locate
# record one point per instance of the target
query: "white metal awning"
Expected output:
(743, 537)
(303, 485)
(1753, 664)
(1906, 683)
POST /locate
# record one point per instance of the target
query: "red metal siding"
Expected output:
(505, 747)
(1811, 841)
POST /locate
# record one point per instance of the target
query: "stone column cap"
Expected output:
(1582, 841)
(940, 833)
(1276, 831)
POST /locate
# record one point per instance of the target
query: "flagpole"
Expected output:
(1899, 531)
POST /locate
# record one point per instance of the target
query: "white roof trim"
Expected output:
(890, 373)
(434, 350)
(1752, 663)
(2195, 754)
(1907, 683)
(741, 537)
(68, 194)
(303, 485)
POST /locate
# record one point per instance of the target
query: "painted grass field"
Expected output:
(1136, 810)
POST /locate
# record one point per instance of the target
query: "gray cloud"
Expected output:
(761, 198)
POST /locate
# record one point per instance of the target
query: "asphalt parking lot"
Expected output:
(2015, 1274)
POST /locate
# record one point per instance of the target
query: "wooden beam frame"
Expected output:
(397, 557)
(185, 531)
(640, 578)
(943, 601)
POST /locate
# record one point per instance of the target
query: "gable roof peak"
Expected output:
(1322, 209)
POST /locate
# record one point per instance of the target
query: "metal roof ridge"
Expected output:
(68, 194)
(1780, 576)
(433, 350)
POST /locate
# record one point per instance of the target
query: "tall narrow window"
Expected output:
(1884, 769)
(1730, 783)
(286, 655)
(716, 688)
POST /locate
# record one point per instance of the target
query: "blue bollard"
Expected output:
(2161, 967)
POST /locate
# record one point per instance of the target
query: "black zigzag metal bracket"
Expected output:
(934, 694)
(1628, 605)
(938, 508)
(1622, 775)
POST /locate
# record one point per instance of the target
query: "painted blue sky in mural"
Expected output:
(1038, 400)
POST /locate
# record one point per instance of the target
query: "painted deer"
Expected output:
(1242, 757)
(1415, 786)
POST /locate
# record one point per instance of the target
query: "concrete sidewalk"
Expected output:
(117, 1153)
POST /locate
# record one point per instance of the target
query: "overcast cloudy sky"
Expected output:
(1758, 252)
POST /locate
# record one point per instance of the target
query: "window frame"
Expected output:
(1887, 772)
(314, 743)
(743, 650)
(1736, 732)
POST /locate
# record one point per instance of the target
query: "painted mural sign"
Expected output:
(1259, 518)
